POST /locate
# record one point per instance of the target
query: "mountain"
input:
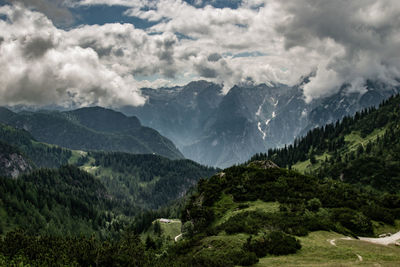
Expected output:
(179, 112)
(362, 149)
(92, 129)
(221, 130)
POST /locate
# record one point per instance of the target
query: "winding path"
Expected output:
(177, 237)
(333, 243)
(381, 241)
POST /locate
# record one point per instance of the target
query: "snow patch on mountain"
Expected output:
(264, 134)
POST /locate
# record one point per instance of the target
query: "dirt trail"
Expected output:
(177, 237)
(332, 242)
(383, 240)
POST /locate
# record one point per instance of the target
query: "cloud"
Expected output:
(56, 10)
(263, 41)
(365, 32)
(43, 65)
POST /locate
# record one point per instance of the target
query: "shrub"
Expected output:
(279, 243)
(275, 243)
(353, 220)
(314, 204)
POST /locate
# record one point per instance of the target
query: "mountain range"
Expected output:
(221, 130)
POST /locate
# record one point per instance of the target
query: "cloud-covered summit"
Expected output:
(224, 41)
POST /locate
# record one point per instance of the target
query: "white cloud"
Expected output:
(42, 65)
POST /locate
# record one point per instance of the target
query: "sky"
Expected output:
(76, 53)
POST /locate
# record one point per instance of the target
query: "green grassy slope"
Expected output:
(318, 251)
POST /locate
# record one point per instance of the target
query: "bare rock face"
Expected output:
(263, 164)
(12, 165)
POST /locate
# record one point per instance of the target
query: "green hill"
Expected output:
(246, 213)
(364, 149)
(92, 129)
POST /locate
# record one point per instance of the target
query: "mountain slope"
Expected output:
(363, 149)
(92, 129)
(179, 113)
(221, 130)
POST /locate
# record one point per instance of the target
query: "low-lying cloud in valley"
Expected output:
(341, 42)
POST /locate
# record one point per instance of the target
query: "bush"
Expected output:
(353, 220)
(279, 243)
(314, 204)
(187, 229)
(275, 243)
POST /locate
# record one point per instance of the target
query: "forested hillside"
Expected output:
(149, 181)
(68, 216)
(362, 149)
(41, 154)
(65, 201)
(92, 129)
